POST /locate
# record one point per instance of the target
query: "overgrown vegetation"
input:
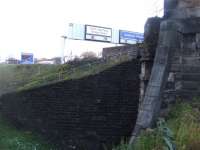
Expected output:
(21, 77)
(14, 139)
(14, 76)
(71, 70)
(181, 131)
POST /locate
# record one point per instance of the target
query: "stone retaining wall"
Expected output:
(80, 114)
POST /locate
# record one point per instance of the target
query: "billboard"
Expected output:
(115, 36)
(96, 33)
(27, 58)
(127, 37)
(76, 31)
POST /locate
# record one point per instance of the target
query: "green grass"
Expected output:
(14, 76)
(22, 77)
(184, 123)
(70, 71)
(14, 139)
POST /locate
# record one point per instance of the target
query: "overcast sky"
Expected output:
(36, 26)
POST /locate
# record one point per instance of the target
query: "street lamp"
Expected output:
(63, 49)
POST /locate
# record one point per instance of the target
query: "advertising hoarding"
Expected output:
(127, 37)
(76, 31)
(103, 34)
(115, 36)
(27, 58)
(96, 33)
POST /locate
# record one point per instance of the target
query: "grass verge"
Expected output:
(14, 139)
(183, 122)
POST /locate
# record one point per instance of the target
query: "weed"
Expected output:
(181, 130)
(13, 139)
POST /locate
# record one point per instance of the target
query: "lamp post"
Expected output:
(63, 49)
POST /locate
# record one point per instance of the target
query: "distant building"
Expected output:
(12, 61)
(43, 61)
(55, 60)
(118, 52)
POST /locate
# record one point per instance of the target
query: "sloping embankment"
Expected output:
(80, 114)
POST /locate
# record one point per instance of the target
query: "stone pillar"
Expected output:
(181, 9)
(150, 106)
(146, 66)
(151, 33)
(179, 34)
(169, 5)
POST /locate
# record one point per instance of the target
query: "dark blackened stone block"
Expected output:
(83, 113)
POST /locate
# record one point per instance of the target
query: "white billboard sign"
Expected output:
(96, 33)
(115, 36)
(76, 31)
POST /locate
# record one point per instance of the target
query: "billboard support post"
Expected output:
(63, 49)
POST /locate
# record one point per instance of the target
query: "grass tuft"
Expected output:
(14, 139)
(182, 125)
